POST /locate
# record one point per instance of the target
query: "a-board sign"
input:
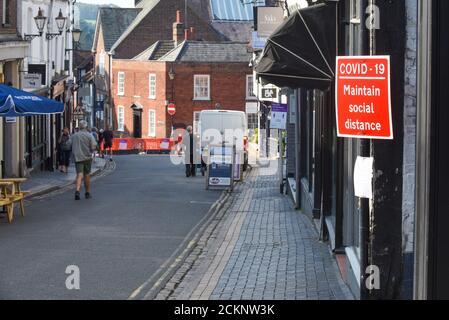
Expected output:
(220, 172)
(363, 97)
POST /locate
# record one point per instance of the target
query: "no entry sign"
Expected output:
(363, 97)
(171, 109)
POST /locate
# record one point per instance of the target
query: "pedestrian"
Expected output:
(100, 143)
(83, 145)
(108, 136)
(190, 166)
(94, 132)
(65, 150)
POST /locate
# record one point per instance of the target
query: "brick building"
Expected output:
(125, 33)
(196, 75)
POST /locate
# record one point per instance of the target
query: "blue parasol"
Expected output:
(19, 103)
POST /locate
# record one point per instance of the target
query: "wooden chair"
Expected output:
(5, 199)
(14, 193)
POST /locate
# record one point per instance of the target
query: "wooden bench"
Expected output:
(11, 194)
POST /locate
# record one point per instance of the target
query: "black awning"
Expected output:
(301, 52)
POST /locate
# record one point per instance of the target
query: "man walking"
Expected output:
(108, 136)
(83, 145)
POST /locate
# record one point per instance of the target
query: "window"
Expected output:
(201, 87)
(121, 118)
(6, 19)
(152, 123)
(250, 87)
(196, 122)
(152, 83)
(253, 120)
(121, 84)
(101, 64)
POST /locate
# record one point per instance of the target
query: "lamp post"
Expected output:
(171, 75)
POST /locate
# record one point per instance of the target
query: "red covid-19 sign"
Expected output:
(363, 97)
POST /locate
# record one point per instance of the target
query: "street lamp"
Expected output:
(40, 20)
(60, 23)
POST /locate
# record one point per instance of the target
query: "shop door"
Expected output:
(439, 202)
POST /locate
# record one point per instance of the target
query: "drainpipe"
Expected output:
(298, 93)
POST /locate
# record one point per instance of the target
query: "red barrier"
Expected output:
(142, 145)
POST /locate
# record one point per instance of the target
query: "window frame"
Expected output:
(121, 93)
(102, 64)
(199, 76)
(151, 87)
(250, 95)
(121, 118)
(151, 130)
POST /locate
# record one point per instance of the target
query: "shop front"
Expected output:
(432, 203)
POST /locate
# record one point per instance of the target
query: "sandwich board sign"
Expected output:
(220, 171)
(363, 97)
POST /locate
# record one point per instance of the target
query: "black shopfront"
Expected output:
(301, 55)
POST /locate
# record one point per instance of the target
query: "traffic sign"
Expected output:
(171, 109)
(363, 97)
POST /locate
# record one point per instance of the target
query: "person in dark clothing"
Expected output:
(100, 142)
(65, 150)
(108, 136)
(190, 166)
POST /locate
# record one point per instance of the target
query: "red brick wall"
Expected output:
(158, 25)
(227, 87)
(12, 14)
(137, 90)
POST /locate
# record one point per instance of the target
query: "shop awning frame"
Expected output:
(302, 51)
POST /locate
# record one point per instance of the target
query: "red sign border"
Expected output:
(388, 58)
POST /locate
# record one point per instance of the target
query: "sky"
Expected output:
(120, 3)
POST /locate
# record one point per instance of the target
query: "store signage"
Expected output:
(363, 97)
(292, 107)
(31, 80)
(279, 116)
(268, 20)
(269, 93)
(11, 119)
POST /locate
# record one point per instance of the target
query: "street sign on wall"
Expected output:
(31, 80)
(363, 97)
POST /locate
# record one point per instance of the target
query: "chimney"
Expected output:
(192, 34)
(178, 29)
(186, 34)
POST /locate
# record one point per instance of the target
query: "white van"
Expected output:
(224, 123)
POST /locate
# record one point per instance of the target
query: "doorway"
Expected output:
(137, 122)
(438, 237)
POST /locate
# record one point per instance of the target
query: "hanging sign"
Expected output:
(363, 97)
